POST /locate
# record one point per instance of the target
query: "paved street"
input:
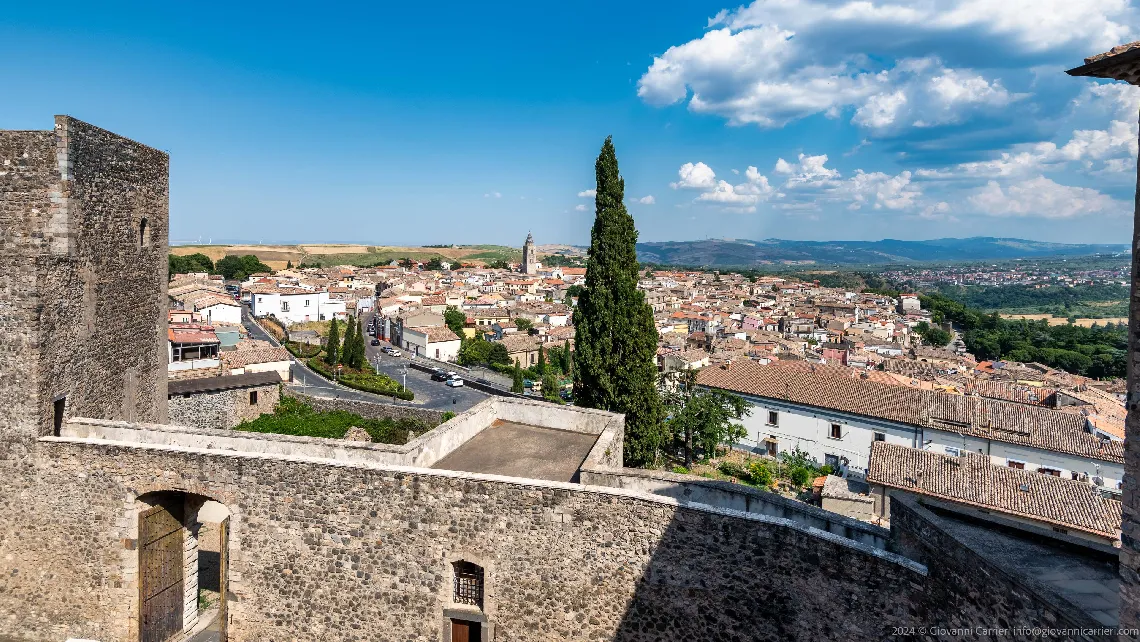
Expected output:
(433, 395)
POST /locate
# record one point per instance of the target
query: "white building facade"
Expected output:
(831, 437)
(296, 307)
(844, 441)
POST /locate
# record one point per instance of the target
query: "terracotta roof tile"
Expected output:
(973, 479)
(986, 418)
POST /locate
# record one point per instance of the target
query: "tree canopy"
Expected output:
(232, 266)
(702, 419)
(196, 262)
(1099, 351)
(616, 340)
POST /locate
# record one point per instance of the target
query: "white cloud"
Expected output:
(695, 176)
(807, 169)
(879, 190)
(647, 200)
(589, 193)
(1042, 197)
(937, 212)
(580, 207)
(492, 195)
(894, 64)
(740, 197)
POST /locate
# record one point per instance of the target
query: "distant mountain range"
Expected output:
(740, 253)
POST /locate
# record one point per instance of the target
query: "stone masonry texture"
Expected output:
(328, 551)
(82, 283)
(222, 409)
(82, 315)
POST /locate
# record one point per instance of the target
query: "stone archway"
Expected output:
(182, 566)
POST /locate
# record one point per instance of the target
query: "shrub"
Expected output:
(760, 473)
(800, 476)
(294, 417)
(365, 381)
(447, 416)
(733, 469)
(825, 469)
(302, 350)
(681, 470)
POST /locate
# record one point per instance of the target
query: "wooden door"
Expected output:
(223, 578)
(161, 560)
(464, 631)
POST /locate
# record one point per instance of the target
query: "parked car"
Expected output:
(376, 342)
(439, 374)
(386, 349)
(395, 353)
(455, 382)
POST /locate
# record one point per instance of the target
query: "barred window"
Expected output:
(468, 584)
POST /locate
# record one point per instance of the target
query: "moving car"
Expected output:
(395, 353)
(376, 342)
(455, 382)
(439, 374)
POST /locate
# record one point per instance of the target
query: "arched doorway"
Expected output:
(182, 560)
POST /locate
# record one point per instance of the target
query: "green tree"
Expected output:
(523, 325)
(196, 262)
(349, 344)
(540, 367)
(354, 354)
(703, 418)
(232, 266)
(616, 340)
(550, 387)
(332, 345)
(517, 380)
(288, 265)
(937, 337)
(455, 319)
(498, 354)
(474, 351)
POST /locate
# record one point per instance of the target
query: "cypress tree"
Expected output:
(349, 345)
(356, 357)
(517, 380)
(332, 347)
(540, 367)
(616, 339)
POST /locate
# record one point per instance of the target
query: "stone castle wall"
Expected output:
(371, 548)
(82, 277)
(222, 409)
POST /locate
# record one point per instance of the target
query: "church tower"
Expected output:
(530, 257)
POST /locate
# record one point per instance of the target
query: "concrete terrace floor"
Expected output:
(1089, 582)
(519, 450)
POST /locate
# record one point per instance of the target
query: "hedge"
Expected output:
(302, 350)
(375, 383)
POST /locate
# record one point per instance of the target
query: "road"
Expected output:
(432, 395)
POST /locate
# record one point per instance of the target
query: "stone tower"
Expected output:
(530, 257)
(83, 244)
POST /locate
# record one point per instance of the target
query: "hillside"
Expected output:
(776, 251)
(277, 256)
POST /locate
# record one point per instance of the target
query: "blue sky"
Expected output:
(477, 122)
